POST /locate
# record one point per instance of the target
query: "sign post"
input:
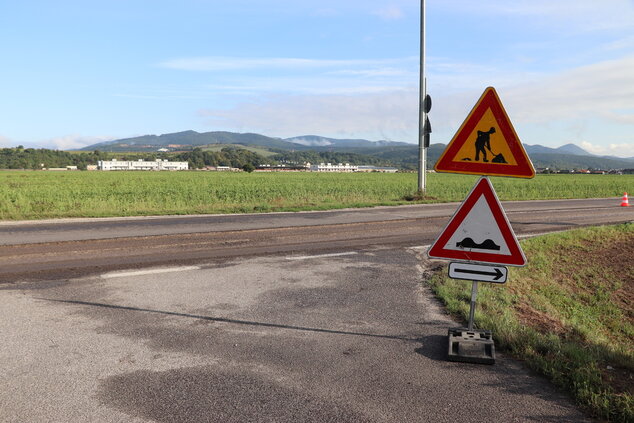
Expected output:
(423, 108)
(474, 294)
(479, 237)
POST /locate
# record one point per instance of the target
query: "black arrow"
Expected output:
(497, 273)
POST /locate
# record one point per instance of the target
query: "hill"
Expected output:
(360, 151)
(317, 141)
(569, 161)
(186, 140)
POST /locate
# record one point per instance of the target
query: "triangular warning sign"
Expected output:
(486, 143)
(479, 231)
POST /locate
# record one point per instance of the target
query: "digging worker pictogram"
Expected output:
(483, 143)
(486, 144)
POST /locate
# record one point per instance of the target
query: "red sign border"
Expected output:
(482, 187)
(488, 100)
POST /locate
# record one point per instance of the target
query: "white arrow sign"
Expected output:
(478, 272)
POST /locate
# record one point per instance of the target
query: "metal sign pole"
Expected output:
(474, 293)
(471, 345)
(422, 114)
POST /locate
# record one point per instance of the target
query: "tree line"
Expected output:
(228, 156)
(38, 158)
(316, 157)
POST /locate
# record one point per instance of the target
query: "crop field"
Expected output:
(38, 194)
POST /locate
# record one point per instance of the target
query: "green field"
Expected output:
(38, 194)
(567, 314)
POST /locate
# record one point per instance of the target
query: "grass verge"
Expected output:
(568, 314)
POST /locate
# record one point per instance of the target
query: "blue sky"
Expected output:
(75, 73)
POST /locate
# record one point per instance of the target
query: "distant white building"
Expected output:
(158, 164)
(60, 168)
(381, 169)
(329, 167)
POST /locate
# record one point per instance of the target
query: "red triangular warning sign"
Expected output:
(479, 231)
(486, 143)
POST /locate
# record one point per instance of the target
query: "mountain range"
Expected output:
(569, 156)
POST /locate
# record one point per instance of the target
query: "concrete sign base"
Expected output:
(471, 346)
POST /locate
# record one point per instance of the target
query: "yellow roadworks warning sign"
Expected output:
(486, 144)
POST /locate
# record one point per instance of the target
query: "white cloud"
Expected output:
(583, 15)
(336, 8)
(5, 141)
(624, 43)
(601, 89)
(356, 77)
(71, 142)
(286, 63)
(619, 116)
(380, 72)
(313, 86)
(387, 115)
(390, 13)
(327, 12)
(563, 102)
(620, 150)
(571, 104)
(448, 77)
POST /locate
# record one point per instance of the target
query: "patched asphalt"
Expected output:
(351, 338)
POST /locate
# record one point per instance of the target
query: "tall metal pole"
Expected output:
(422, 152)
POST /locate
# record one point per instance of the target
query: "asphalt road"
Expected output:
(72, 248)
(307, 317)
(353, 337)
(544, 213)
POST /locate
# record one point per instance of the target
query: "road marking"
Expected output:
(148, 272)
(540, 234)
(421, 248)
(349, 253)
